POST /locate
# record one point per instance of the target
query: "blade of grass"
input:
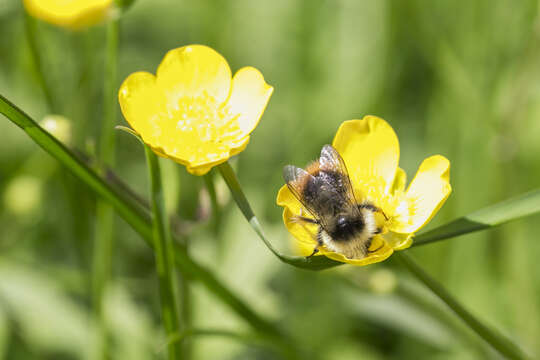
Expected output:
(309, 263)
(104, 231)
(498, 341)
(485, 218)
(139, 219)
(31, 36)
(248, 339)
(164, 256)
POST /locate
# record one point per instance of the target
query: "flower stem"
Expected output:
(311, 263)
(164, 255)
(104, 232)
(498, 341)
(210, 186)
(30, 27)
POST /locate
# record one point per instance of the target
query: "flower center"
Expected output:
(203, 117)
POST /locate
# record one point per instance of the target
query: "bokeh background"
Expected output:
(460, 79)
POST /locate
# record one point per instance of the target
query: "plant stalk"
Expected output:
(164, 256)
(498, 341)
(35, 53)
(104, 230)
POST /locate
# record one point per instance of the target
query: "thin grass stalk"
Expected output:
(164, 256)
(498, 341)
(31, 36)
(104, 231)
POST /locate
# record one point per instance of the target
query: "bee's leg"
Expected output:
(316, 250)
(301, 217)
(373, 251)
(319, 243)
(373, 208)
(377, 249)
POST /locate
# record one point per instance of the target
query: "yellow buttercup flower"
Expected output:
(72, 14)
(192, 111)
(370, 150)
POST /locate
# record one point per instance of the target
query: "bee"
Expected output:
(324, 188)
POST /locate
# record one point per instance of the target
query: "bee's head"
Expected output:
(342, 222)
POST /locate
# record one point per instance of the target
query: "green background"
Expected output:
(453, 78)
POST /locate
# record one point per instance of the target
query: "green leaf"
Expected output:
(485, 218)
(135, 215)
(309, 263)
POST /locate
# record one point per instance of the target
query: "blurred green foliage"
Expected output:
(456, 78)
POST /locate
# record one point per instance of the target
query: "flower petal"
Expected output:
(73, 14)
(399, 181)
(426, 194)
(303, 232)
(192, 71)
(398, 241)
(139, 102)
(380, 255)
(249, 97)
(370, 150)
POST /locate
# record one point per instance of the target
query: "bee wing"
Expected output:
(331, 161)
(296, 178)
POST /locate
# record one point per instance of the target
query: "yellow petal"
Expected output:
(139, 102)
(399, 181)
(398, 241)
(249, 97)
(370, 150)
(303, 232)
(380, 255)
(426, 194)
(73, 14)
(193, 71)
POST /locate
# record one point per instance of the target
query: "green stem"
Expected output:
(248, 339)
(210, 186)
(164, 256)
(30, 27)
(104, 232)
(311, 263)
(137, 217)
(498, 341)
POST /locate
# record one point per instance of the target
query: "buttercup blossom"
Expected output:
(370, 150)
(192, 111)
(71, 14)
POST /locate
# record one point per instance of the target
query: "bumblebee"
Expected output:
(324, 188)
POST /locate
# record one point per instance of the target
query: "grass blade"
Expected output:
(485, 218)
(491, 336)
(136, 216)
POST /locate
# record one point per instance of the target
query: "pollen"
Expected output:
(197, 127)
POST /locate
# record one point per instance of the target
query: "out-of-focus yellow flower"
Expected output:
(370, 150)
(71, 14)
(191, 111)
